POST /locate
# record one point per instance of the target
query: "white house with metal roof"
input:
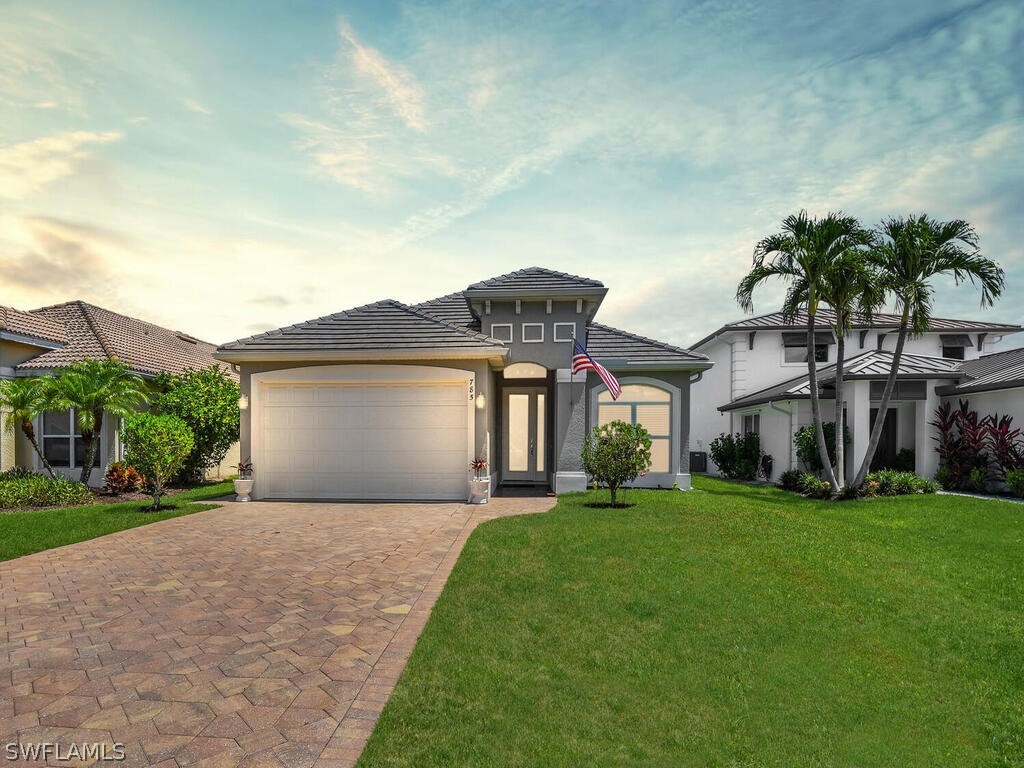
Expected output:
(759, 382)
(391, 401)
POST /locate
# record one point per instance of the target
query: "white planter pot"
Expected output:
(242, 489)
(479, 491)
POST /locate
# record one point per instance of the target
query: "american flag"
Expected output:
(581, 361)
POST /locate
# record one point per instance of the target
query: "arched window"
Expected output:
(643, 404)
(525, 371)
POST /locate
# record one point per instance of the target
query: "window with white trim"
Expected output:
(647, 405)
(62, 445)
(533, 333)
(752, 423)
(564, 331)
(501, 331)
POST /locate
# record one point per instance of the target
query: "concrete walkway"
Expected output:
(267, 634)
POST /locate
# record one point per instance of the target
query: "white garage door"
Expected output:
(364, 441)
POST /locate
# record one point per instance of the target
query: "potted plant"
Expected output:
(480, 485)
(244, 482)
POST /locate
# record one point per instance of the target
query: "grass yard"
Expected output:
(732, 626)
(22, 533)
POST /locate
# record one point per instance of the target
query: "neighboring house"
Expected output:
(41, 341)
(389, 401)
(759, 383)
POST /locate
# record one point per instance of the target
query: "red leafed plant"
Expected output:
(1004, 445)
(478, 465)
(962, 443)
(122, 478)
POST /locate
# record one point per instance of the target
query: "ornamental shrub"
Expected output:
(122, 478)
(813, 487)
(1015, 481)
(35, 490)
(207, 401)
(806, 442)
(738, 457)
(790, 480)
(616, 454)
(891, 482)
(157, 446)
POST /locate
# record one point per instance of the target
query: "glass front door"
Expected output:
(524, 438)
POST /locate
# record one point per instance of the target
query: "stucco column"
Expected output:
(7, 444)
(570, 430)
(858, 415)
(926, 457)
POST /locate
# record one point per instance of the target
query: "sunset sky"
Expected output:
(228, 167)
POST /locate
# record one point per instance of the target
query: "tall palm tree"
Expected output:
(94, 388)
(803, 254)
(24, 400)
(913, 250)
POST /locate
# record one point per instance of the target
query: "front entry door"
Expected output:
(523, 435)
(888, 444)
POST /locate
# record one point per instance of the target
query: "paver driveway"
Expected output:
(263, 634)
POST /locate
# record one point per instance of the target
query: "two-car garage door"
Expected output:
(362, 440)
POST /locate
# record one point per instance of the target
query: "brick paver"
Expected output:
(262, 634)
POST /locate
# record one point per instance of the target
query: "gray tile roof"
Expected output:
(452, 308)
(384, 325)
(35, 326)
(95, 333)
(774, 321)
(1001, 370)
(605, 343)
(535, 281)
(870, 365)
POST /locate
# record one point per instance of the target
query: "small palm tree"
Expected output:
(803, 254)
(912, 251)
(24, 400)
(94, 388)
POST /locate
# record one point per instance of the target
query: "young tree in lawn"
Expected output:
(206, 400)
(95, 388)
(616, 453)
(911, 252)
(802, 255)
(25, 400)
(157, 446)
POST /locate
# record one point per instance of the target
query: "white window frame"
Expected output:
(495, 326)
(556, 337)
(72, 438)
(532, 325)
(755, 421)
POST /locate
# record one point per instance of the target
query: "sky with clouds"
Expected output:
(226, 168)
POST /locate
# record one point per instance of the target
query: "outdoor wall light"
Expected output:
(243, 403)
(481, 401)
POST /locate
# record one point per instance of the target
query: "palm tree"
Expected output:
(24, 400)
(851, 287)
(94, 388)
(911, 251)
(804, 254)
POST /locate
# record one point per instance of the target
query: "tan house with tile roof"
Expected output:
(41, 341)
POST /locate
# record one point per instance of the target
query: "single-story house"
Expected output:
(392, 401)
(41, 341)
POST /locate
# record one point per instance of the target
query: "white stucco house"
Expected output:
(759, 383)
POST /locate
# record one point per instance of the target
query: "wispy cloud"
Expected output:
(28, 166)
(194, 106)
(397, 86)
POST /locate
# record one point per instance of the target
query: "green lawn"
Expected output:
(731, 626)
(22, 533)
